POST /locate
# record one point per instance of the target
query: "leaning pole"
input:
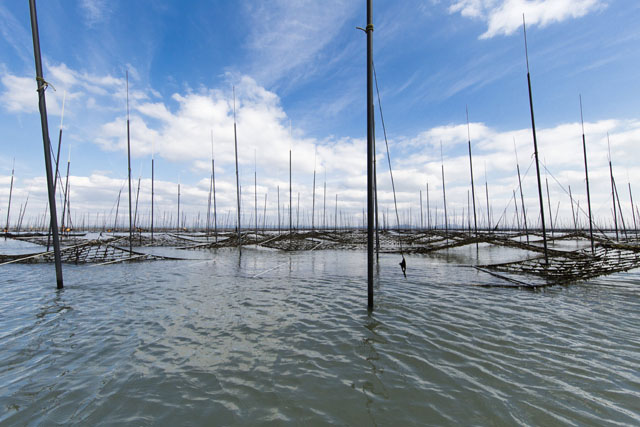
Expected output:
(42, 105)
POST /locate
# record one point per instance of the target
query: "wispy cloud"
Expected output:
(286, 38)
(16, 35)
(504, 17)
(95, 11)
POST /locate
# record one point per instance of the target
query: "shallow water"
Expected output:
(269, 338)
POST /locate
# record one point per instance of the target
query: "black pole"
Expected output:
(444, 196)
(313, 203)
(473, 191)
(6, 229)
(129, 168)
(42, 105)
(215, 211)
(524, 212)
(428, 210)
(255, 192)
(586, 173)
(613, 193)
(370, 155)
(152, 191)
(633, 213)
(235, 138)
(535, 148)
(290, 199)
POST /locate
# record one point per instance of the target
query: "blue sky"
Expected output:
(298, 71)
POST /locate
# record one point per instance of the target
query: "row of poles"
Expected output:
(371, 181)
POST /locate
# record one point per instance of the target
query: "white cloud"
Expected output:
(504, 17)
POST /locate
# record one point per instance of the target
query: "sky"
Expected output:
(298, 73)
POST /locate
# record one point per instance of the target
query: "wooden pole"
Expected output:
(586, 173)
(444, 196)
(129, 169)
(235, 138)
(613, 193)
(535, 147)
(152, 193)
(6, 228)
(370, 156)
(473, 191)
(42, 85)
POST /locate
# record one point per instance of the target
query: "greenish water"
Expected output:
(267, 337)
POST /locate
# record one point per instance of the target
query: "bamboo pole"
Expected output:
(473, 191)
(444, 196)
(42, 106)
(235, 138)
(613, 194)
(535, 147)
(524, 212)
(6, 228)
(129, 168)
(586, 173)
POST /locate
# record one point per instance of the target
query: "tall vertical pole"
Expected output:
(428, 210)
(486, 190)
(42, 85)
(290, 198)
(421, 214)
(613, 193)
(178, 226)
(586, 173)
(215, 210)
(635, 227)
(573, 213)
(473, 191)
(335, 216)
(66, 193)
(370, 155)
(549, 203)
(278, 209)
(235, 138)
(524, 212)
(6, 228)
(313, 203)
(535, 147)
(264, 213)
(324, 203)
(444, 196)
(152, 193)
(129, 168)
(255, 191)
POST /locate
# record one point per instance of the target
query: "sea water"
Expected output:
(228, 337)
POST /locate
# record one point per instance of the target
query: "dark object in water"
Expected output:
(403, 266)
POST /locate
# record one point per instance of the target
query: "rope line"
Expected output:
(403, 263)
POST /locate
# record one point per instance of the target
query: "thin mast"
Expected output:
(444, 195)
(473, 191)
(586, 173)
(152, 191)
(210, 189)
(66, 192)
(255, 191)
(428, 210)
(313, 203)
(613, 193)
(6, 228)
(370, 156)
(42, 106)
(129, 168)
(235, 137)
(524, 213)
(535, 146)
